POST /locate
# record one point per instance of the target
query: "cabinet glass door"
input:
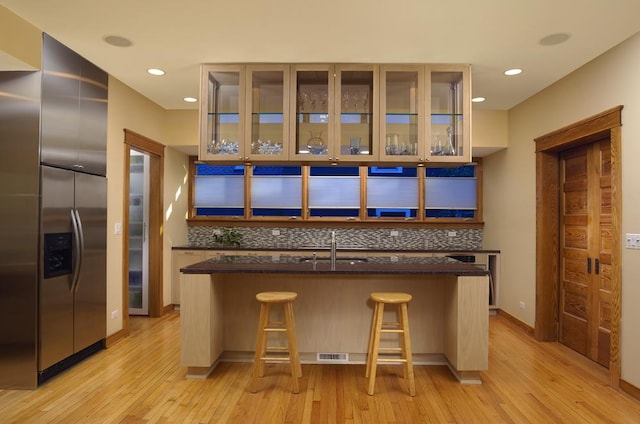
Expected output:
(223, 113)
(356, 104)
(402, 91)
(449, 128)
(268, 102)
(312, 124)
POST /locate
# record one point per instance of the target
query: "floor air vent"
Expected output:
(333, 357)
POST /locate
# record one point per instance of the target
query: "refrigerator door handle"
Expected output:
(79, 250)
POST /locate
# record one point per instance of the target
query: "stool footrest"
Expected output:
(277, 349)
(275, 358)
(392, 360)
(275, 330)
(390, 349)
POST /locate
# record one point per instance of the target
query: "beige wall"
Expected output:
(128, 109)
(20, 43)
(610, 80)
(489, 131)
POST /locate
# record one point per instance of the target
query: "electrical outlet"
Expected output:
(522, 304)
(118, 228)
(452, 233)
(275, 232)
(115, 314)
(394, 233)
(633, 241)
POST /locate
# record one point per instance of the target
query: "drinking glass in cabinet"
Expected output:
(446, 113)
(312, 111)
(223, 115)
(268, 123)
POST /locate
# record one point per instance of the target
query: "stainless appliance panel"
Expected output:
(92, 153)
(19, 205)
(60, 104)
(91, 291)
(56, 295)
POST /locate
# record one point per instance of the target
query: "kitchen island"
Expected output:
(448, 313)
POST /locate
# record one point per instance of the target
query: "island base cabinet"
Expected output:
(447, 314)
(201, 324)
(466, 343)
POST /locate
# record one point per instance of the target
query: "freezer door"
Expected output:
(90, 290)
(74, 110)
(55, 295)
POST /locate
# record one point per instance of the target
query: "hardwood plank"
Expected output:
(140, 380)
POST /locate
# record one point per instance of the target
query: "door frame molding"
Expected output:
(133, 140)
(606, 124)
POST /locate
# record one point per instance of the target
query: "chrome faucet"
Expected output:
(333, 250)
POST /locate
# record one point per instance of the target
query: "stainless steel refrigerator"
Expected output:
(53, 198)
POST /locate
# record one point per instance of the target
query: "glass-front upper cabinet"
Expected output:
(312, 112)
(222, 112)
(246, 112)
(449, 127)
(356, 106)
(402, 129)
(268, 112)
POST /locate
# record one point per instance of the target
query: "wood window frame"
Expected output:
(420, 221)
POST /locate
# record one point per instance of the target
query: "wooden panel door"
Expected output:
(585, 292)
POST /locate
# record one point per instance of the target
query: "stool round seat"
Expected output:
(276, 296)
(391, 297)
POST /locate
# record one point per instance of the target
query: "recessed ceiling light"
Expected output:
(554, 39)
(190, 99)
(116, 40)
(514, 71)
(478, 99)
(155, 71)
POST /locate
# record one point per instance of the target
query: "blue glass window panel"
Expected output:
(276, 191)
(392, 171)
(228, 118)
(399, 119)
(392, 213)
(450, 213)
(392, 192)
(462, 171)
(220, 211)
(451, 193)
(350, 118)
(219, 191)
(207, 169)
(277, 170)
(276, 212)
(313, 118)
(334, 192)
(334, 212)
(270, 118)
(334, 170)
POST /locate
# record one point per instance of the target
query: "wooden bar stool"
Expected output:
(266, 326)
(401, 327)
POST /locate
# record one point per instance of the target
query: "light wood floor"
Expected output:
(140, 380)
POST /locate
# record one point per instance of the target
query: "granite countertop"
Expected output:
(327, 248)
(345, 264)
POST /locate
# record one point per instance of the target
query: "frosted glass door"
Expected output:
(138, 228)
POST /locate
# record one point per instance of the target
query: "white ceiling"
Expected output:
(491, 35)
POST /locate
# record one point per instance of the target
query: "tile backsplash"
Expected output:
(365, 238)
